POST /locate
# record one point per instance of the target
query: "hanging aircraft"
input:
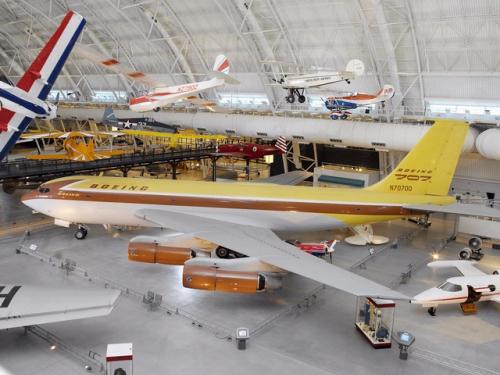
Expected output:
(473, 286)
(27, 100)
(242, 217)
(109, 118)
(27, 305)
(340, 105)
(296, 84)
(162, 95)
(78, 146)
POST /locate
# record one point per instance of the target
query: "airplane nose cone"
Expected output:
(33, 194)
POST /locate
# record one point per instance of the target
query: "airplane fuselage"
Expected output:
(108, 200)
(19, 101)
(164, 96)
(487, 285)
(305, 81)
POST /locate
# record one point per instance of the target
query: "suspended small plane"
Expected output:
(27, 100)
(340, 105)
(296, 84)
(137, 123)
(162, 95)
(78, 146)
(473, 286)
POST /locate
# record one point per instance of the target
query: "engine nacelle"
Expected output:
(205, 276)
(151, 252)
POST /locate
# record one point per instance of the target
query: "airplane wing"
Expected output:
(264, 244)
(116, 66)
(465, 267)
(466, 209)
(31, 136)
(62, 156)
(290, 178)
(24, 305)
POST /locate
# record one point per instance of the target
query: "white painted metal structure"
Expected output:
(425, 49)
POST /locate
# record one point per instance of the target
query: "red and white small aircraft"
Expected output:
(473, 286)
(252, 150)
(339, 105)
(161, 95)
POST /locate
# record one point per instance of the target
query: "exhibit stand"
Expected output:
(375, 320)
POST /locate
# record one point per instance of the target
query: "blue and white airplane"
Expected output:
(27, 100)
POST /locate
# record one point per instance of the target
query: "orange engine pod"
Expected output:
(150, 252)
(220, 280)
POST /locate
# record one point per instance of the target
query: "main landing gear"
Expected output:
(225, 253)
(432, 311)
(157, 109)
(81, 232)
(290, 98)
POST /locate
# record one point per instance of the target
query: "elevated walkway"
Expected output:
(42, 170)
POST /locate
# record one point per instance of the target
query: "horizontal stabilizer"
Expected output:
(464, 209)
(465, 267)
(290, 178)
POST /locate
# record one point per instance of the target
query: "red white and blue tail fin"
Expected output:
(38, 79)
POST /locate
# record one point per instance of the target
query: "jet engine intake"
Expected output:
(151, 252)
(206, 277)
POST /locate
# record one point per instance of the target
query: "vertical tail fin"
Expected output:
(40, 76)
(221, 70)
(221, 64)
(109, 118)
(429, 167)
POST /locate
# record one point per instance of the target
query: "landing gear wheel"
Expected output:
(157, 109)
(81, 233)
(343, 117)
(432, 311)
(302, 99)
(465, 254)
(222, 252)
(290, 98)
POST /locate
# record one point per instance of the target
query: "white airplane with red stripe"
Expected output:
(164, 96)
(159, 94)
(27, 100)
(474, 286)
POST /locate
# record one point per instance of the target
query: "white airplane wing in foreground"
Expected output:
(268, 248)
(465, 267)
(466, 209)
(24, 305)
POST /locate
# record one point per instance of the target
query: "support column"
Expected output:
(174, 170)
(247, 168)
(214, 169)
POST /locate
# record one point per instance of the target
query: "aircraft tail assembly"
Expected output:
(36, 83)
(221, 70)
(430, 166)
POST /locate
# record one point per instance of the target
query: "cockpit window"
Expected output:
(449, 287)
(43, 189)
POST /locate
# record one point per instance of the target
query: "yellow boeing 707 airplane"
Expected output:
(242, 217)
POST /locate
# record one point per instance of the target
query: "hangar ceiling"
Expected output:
(427, 49)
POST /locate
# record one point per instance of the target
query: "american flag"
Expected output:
(281, 144)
